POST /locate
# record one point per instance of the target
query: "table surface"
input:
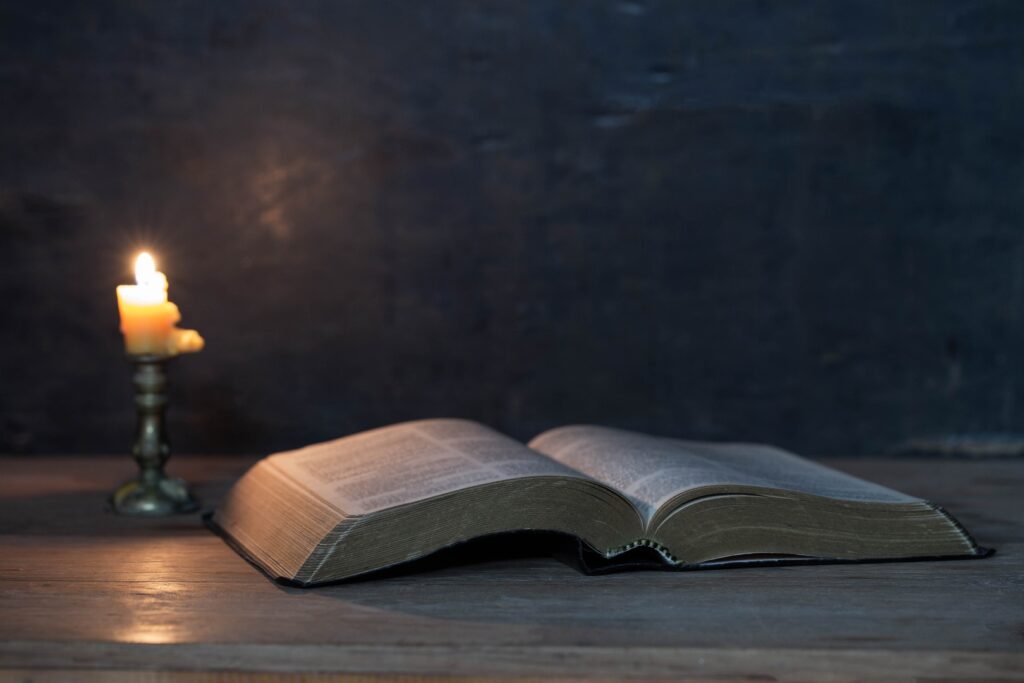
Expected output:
(91, 596)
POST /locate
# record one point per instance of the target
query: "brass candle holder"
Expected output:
(152, 493)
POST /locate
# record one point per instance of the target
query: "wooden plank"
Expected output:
(729, 664)
(80, 588)
(147, 676)
(158, 592)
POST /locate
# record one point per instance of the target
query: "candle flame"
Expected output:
(145, 270)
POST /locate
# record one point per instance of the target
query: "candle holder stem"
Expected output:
(152, 493)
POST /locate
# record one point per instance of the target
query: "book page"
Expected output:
(650, 470)
(412, 461)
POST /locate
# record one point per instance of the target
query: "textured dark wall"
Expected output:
(800, 222)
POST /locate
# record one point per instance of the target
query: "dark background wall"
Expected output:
(800, 222)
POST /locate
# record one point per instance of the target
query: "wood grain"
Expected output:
(84, 591)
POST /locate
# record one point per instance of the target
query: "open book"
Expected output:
(361, 503)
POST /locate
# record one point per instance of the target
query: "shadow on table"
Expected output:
(495, 551)
(88, 513)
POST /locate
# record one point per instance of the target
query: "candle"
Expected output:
(148, 319)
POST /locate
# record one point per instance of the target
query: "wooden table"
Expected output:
(85, 595)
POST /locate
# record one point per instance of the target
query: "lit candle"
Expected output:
(148, 319)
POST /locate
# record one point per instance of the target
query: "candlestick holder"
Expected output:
(152, 493)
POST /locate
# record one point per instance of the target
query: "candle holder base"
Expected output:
(164, 496)
(152, 493)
